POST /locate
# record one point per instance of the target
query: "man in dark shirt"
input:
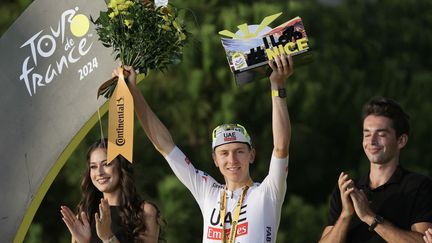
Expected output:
(390, 204)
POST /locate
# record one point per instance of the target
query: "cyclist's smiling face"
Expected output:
(233, 160)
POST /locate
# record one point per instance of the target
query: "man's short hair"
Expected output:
(382, 106)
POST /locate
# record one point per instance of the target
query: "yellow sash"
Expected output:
(120, 123)
(236, 213)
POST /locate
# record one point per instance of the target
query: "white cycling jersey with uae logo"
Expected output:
(260, 211)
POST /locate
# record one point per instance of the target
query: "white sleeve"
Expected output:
(198, 182)
(275, 181)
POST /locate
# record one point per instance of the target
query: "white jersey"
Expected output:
(261, 208)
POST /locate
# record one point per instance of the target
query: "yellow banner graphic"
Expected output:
(120, 122)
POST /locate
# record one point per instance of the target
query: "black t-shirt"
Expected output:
(405, 199)
(115, 226)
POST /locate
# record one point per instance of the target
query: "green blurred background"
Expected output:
(361, 49)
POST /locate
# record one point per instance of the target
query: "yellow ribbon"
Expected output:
(236, 213)
(120, 122)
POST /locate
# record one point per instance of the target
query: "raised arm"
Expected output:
(282, 69)
(153, 127)
(162, 140)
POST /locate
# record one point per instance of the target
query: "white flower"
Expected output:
(161, 3)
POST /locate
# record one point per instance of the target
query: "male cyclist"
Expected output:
(239, 210)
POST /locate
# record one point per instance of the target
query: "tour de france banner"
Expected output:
(51, 67)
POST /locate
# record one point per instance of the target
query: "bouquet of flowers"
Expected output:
(143, 34)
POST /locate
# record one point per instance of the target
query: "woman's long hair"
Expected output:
(131, 212)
